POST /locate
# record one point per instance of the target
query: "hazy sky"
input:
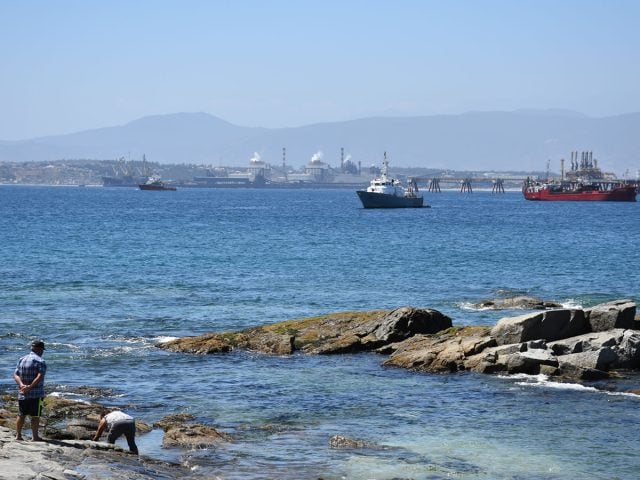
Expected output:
(73, 65)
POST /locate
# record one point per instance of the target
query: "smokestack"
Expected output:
(562, 169)
(284, 158)
(342, 159)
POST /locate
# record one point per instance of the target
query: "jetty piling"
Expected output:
(498, 186)
(465, 185)
(434, 185)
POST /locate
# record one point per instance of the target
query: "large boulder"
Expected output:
(586, 342)
(628, 350)
(550, 325)
(616, 314)
(530, 361)
(591, 365)
(446, 351)
(625, 344)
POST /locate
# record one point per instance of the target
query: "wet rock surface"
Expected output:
(340, 441)
(517, 303)
(345, 332)
(78, 459)
(64, 419)
(68, 451)
(181, 432)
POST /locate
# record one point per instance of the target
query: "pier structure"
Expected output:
(467, 184)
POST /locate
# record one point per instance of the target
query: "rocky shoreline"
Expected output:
(68, 451)
(568, 344)
(78, 459)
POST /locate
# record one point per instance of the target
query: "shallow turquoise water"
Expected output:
(103, 274)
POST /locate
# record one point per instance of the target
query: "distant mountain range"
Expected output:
(522, 140)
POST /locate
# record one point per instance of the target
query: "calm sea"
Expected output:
(102, 275)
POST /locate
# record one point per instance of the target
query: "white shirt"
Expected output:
(116, 416)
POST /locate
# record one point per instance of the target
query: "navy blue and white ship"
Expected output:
(387, 192)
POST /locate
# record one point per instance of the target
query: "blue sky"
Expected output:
(73, 65)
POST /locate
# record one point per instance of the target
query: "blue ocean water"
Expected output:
(103, 275)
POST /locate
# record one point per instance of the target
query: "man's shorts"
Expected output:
(31, 406)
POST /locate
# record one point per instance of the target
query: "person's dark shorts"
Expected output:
(30, 406)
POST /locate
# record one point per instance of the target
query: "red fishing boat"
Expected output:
(579, 191)
(584, 182)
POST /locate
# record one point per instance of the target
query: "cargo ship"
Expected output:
(579, 191)
(584, 182)
(387, 192)
(127, 173)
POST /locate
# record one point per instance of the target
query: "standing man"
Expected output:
(118, 423)
(29, 376)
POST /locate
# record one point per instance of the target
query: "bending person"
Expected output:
(118, 423)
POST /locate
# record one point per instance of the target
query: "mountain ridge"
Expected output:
(491, 140)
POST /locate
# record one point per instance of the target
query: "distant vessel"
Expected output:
(154, 183)
(387, 192)
(127, 174)
(584, 182)
(123, 181)
(579, 191)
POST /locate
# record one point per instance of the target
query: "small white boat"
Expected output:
(154, 183)
(387, 192)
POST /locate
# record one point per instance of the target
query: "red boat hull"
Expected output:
(621, 194)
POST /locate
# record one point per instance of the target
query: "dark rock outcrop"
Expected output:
(550, 325)
(616, 314)
(346, 332)
(444, 352)
(557, 342)
(339, 441)
(179, 433)
(517, 303)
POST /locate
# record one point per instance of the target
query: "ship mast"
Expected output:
(385, 166)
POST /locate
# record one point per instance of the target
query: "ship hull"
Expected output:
(156, 187)
(382, 200)
(624, 194)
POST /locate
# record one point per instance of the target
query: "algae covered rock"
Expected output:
(178, 432)
(343, 332)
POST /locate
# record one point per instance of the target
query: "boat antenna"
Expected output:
(548, 162)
